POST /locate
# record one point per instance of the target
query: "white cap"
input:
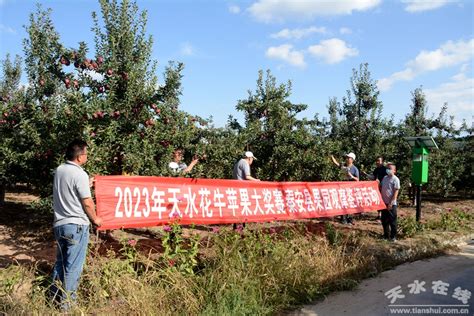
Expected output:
(351, 155)
(249, 154)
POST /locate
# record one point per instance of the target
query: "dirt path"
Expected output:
(369, 298)
(25, 235)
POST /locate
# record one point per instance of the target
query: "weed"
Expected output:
(178, 253)
(408, 226)
(332, 234)
(236, 273)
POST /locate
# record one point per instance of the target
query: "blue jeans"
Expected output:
(72, 241)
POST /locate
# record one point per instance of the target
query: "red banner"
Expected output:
(135, 201)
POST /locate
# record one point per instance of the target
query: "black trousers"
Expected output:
(389, 222)
(346, 219)
(235, 225)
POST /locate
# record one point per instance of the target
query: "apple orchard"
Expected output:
(108, 92)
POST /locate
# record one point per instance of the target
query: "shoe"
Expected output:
(393, 239)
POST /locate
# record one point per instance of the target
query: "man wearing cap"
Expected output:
(242, 167)
(242, 171)
(351, 171)
(352, 174)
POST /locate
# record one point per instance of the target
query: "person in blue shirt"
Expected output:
(351, 173)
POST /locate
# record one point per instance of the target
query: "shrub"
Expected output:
(408, 226)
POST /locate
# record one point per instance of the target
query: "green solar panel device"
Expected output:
(421, 146)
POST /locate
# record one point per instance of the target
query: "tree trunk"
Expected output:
(2, 194)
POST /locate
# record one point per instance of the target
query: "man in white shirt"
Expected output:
(389, 190)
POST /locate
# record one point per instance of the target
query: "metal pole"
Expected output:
(418, 202)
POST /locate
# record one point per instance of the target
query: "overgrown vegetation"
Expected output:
(450, 220)
(257, 271)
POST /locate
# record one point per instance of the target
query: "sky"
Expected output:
(315, 44)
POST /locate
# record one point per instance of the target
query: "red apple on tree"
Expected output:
(149, 122)
(65, 61)
(100, 60)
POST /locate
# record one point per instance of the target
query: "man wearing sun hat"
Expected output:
(351, 173)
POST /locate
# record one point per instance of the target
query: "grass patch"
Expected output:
(254, 272)
(450, 220)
